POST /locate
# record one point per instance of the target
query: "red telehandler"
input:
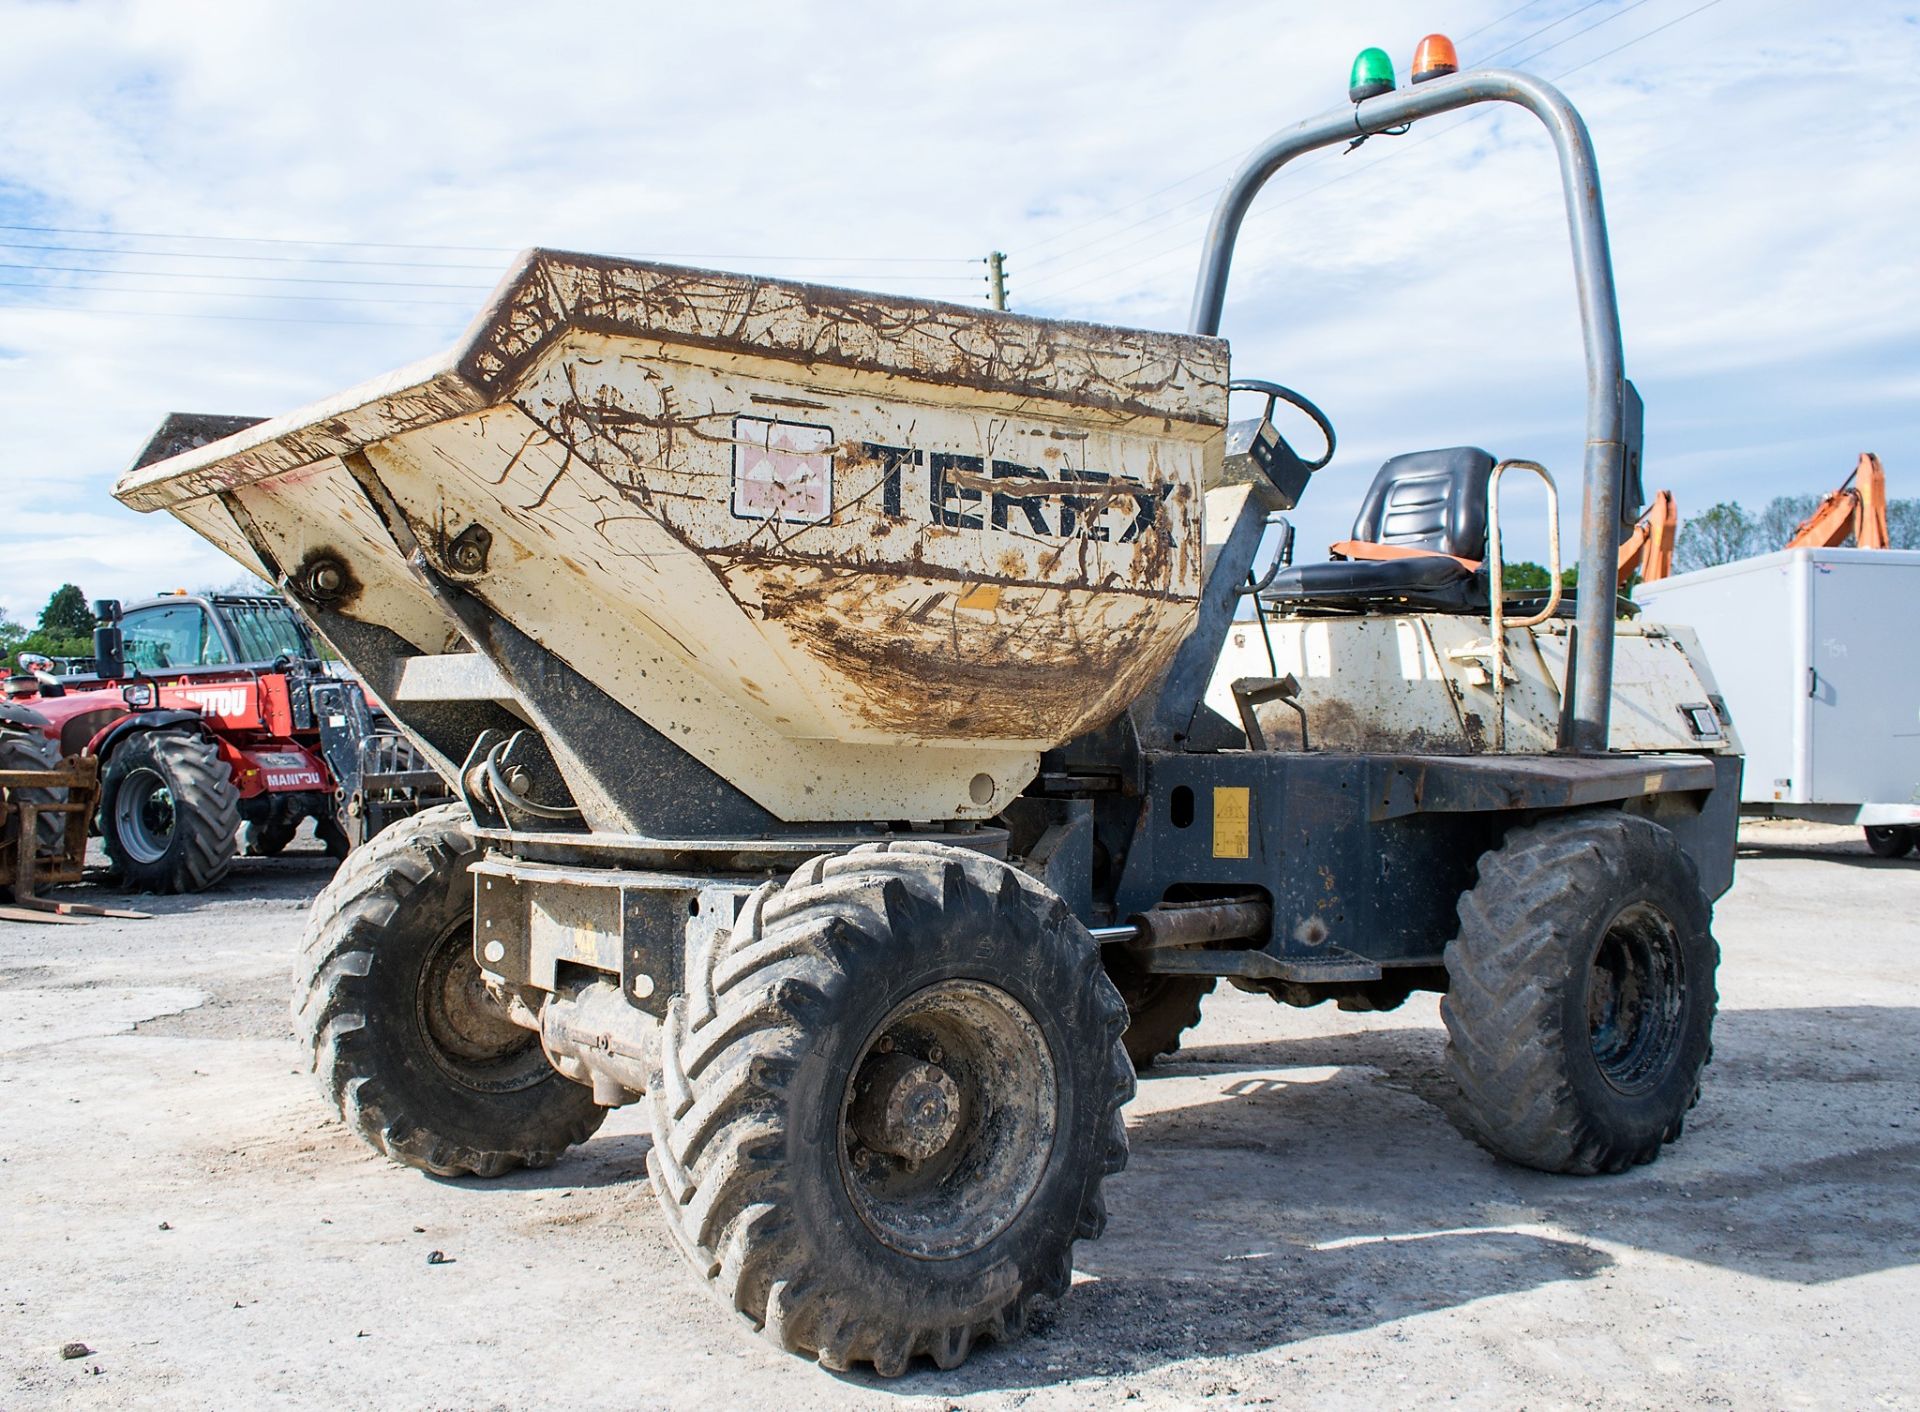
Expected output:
(206, 717)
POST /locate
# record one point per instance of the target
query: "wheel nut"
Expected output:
(904, 1107)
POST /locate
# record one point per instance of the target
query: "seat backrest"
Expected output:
(1434, 500)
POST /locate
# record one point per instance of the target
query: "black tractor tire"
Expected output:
(24, 747)
(404, 1037)
(1160, 1009)
(1580, 999)
(270, 840)
(934, 975)
(338, 842)
(1890, 840)
(169, 812)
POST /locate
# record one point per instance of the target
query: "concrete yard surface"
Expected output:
(1301, 1225)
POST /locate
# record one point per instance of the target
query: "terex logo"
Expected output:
(218, 700)
(963, 492)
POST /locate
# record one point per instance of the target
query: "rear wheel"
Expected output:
(405, 1037)
(338, 842)
(1890, 841)
(1581, 996)
(1160, 1009)
(270, 840)
(886, 1104)
(169, 812)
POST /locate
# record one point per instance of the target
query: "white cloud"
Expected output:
(1756, 161)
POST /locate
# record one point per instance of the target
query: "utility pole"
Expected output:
(997, 278)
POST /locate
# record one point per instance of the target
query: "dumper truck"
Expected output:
(858, 736)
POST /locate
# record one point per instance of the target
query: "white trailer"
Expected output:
(1816, 653)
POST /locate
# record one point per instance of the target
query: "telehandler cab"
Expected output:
(863, 766)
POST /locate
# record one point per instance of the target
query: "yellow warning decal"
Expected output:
(1232, 816)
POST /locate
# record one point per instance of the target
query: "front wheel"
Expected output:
(406, 1039)
(886, 1103)
(169, 812)
(1580, 999)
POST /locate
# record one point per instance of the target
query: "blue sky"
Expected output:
(162, 166)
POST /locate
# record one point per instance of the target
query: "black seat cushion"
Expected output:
(1427, 581)
(1434, 500)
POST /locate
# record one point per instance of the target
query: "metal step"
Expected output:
(1327, 965)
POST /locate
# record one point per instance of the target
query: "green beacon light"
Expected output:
(1372, 75)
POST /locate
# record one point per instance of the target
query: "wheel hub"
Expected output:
(905, 1107)
(468, 1032)
(1636, 991)
(948, 1119)
(143, 813)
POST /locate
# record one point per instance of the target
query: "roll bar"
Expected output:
(1592, 665)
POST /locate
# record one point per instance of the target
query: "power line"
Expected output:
(1498, 20)
(1648, 35)
(223, 318)
(250, 279)
(1231, 161)
(378, 283)
(1060, 291)
(260, 239)
(1512, 45)
(268, 259)
(223, 294)
(1625, 9)
(467, 249)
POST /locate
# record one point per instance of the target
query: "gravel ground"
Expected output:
(1300, 1225)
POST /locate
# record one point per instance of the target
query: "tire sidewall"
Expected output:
(146, 750)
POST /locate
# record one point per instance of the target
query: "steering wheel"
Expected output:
(1274, 392)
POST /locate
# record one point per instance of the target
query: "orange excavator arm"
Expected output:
(1649, 548)
(1870, 527)
(1857, 508)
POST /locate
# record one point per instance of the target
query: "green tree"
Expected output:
(1524, 574)
(1903, 524)
(1783, 515)
(67, 613)
(1717, 535)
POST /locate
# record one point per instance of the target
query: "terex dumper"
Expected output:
(859, 756)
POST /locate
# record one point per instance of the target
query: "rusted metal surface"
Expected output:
(25, 864)
(1472, 784)
(862, 557)
(1423, 683)
(1127, 371)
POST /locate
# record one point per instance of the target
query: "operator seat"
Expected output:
(1417, 542)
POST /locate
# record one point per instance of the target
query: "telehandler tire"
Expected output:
(1580, 999)
(1160, 1009)
(269, 840)
(337, 841)
(23, 746)
(886, 1102)
(169, 812)
(405, 1038)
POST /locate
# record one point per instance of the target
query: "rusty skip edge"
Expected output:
(548, 294)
